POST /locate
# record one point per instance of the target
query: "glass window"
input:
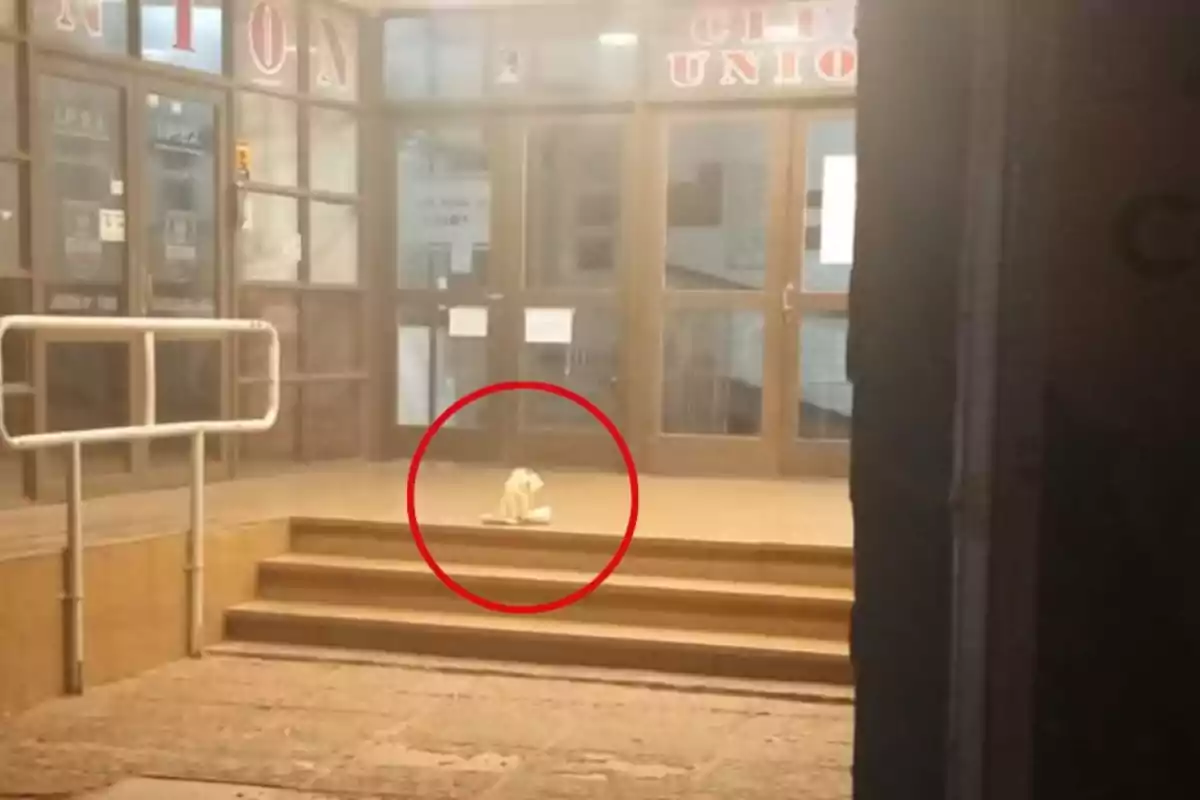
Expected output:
(433, 369)
(9, 120)
(332, 332)
(712, 372)
(333, 151)
(587, 365)
(14, 257)
(831, 190)
(333, 61)
(267, 126)
(265, 42)
(333, 255)
(441, 56)
(181, 194)
(717, 205)
(332, 420)
(184, 34)
(269, 239)
(87, 193)
(747, 48)
(95, 25)
(445, 206)
(826, 394)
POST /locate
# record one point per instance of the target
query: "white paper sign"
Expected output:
(116, 187)
(112, 225)
(469, 322)
(549, 325)
(412, 375)
(839, 195)
(462, 257)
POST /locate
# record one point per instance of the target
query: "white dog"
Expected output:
(516, 505)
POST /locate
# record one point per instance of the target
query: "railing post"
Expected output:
(196, 551)
(75, 571)
(150, 390)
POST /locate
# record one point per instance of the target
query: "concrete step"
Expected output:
(687, 603)
(541, 640)
(541, 548)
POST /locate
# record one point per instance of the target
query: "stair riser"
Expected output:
(538, 648)
(686, 560)
(825, 620)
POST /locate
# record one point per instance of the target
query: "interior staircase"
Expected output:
(733, 610)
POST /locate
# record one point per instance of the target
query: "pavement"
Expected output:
(233, 728)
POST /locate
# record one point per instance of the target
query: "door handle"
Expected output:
(786, 299)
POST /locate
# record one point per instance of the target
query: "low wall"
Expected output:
(135, 607)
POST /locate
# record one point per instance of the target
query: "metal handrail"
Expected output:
(175, 328)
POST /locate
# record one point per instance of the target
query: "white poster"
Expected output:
(462, 257)
(469, 322)
(549, 325)
(451, 211)
(838, 199)
(412, 375)
(112, 225)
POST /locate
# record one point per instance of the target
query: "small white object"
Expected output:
(152, 100)
(549, 325)
(176, 107)
(839, 194)
(112, 225)
(116, 187)
(516, 504)
(6, 214)
(443, 283)
(469, 322)
(462, 258)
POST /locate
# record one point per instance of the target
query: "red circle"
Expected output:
(464, 592)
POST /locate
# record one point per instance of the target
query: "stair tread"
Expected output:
(545, 624)
(572, 577)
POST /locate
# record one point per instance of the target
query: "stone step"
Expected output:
(542, 639)
(686, 603)
(542, 548)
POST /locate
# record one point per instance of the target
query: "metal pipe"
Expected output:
(74, 665)
(196, 551)
(150, 390)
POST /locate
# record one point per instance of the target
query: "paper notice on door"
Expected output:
(838, 197)
(462, 258)
(469, 322)
(549, 325)
(112, 225)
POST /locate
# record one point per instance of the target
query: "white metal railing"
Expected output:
(174, 328)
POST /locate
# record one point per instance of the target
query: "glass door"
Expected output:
(818, 396)
(180, 247)
(717, 275)
(566, 285)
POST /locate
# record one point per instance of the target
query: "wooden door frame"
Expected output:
(704, 454)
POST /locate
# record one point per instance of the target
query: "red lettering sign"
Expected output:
(183, 25)
(837, 64)
(333, 63)
(740, 67)
(687, 68)
(92, 13)
(267, 30)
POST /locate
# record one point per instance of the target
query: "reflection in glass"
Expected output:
(434, 369)
(333, 255)
(268, 125)
(93, 25)
(439, 56)
(712, 372)
(577, 52)
(717, 205)
(828, 215)
(574, 204)
(587, 365)
(826, 395)
(269, 238)
(333, 154)
(195, 44)
(444, 225)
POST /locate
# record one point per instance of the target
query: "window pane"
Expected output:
(9, 109)
(278, 307)
(87, 194)
(717, 205)
(14, 255)
(586, 365)
(332, 332)
(436, 56)
(445, 207)
(269, 239)
(574, 204)
(434, 369)
(193, 42)
(333, 64)
(333, 155)
(181, 192)
(831, 170)
(265, 42)
(826, 394)
(332, 420)
(333, 256)
(267, 126)
(94, 25)
(713, 372)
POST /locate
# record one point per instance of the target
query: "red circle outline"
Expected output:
(419, 538)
